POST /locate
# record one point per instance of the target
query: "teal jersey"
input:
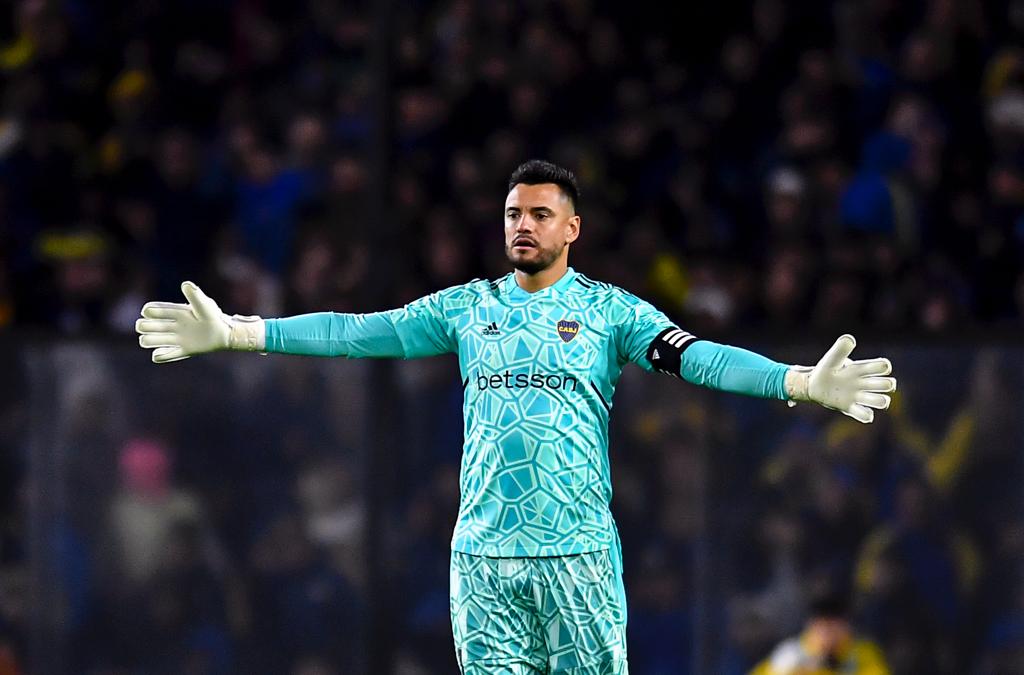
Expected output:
(539, 372)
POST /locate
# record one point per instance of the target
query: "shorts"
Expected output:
(561, 615)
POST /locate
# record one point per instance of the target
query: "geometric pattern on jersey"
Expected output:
(540, 370)
(607, 668)
(564, 615)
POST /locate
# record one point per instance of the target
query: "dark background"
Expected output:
(770, 174)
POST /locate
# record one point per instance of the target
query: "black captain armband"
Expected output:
(666, 351)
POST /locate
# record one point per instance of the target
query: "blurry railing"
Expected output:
(209, 516)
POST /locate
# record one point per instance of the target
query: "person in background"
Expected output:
(828, 644)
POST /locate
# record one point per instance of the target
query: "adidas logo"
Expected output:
(492, 329)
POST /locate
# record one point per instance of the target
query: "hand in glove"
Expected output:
(176, 331)
(854, 388)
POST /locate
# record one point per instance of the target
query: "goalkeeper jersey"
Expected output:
(539, 372)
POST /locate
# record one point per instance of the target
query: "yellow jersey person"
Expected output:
(827, 645)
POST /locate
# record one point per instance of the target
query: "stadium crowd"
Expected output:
(759, 164)
(765, 166)
(223, 529)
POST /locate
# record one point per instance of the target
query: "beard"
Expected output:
(535, 260)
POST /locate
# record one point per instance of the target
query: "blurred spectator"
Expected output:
(916, 577)
(306, 607)
(147, 511)
(266, 201)
(828, 644)
(660, 621)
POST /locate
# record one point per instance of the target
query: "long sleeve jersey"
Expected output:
(539, 372)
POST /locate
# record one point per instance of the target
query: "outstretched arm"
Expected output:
(176, 331)
(716, 366)
(854, 388)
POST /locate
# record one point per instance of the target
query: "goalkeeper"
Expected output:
(536, 573)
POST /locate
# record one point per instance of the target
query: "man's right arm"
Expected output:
(416, 330)
(176, 331)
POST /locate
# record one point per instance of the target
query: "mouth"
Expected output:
(523, 243)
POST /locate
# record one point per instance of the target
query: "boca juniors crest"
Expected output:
(567, 330)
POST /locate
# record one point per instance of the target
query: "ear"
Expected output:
(572, 229)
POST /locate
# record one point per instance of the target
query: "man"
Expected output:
(827, 646)
(536, 578)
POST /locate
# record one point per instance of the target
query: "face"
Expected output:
(827, 635)
(540, 223)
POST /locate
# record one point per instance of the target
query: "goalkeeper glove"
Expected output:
(176, 331)
(854, 388)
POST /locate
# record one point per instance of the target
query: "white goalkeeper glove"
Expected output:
(176, 331)
(854, 388)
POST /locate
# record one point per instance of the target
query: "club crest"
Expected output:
(567, 330)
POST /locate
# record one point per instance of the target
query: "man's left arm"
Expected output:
(855, 388)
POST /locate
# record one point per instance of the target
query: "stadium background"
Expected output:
(769, 173)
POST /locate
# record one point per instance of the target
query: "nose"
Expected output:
(524, 225)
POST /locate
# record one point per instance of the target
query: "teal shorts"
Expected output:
(526, 616)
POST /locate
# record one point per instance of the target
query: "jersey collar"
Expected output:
(514, 291)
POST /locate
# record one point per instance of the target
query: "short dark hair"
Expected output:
(539, 171)
(830, 602)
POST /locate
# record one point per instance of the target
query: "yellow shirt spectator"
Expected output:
(795, 656)
(827, 646)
